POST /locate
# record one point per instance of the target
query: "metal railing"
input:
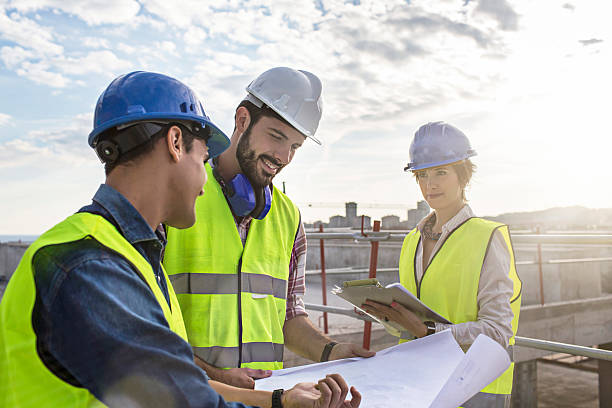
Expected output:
(547, 239)
(546, 345)
(375, 236)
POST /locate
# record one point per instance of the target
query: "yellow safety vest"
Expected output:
(449, 285)
(233, 298)
(25, 381)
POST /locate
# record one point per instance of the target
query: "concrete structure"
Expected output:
(351, 211)
(390, 222)
(417, 214)
(349, 220)
(577, 298)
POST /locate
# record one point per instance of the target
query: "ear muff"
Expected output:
(107, 151)
(243, 199)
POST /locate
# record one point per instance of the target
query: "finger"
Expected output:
(361, 352)
(401, 309)
(257, 373)
(342, 385)
(336, 391)
(356, 398)
(248, 383)
(373, 303)
(326, 394)
(372, 311)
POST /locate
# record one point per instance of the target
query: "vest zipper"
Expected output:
(240, 312)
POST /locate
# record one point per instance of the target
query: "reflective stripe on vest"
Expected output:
(450, 283)
(233, 299)
(24, 379)
(219, 283)
(251, 353)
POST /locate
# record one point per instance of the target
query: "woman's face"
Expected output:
(440, 187)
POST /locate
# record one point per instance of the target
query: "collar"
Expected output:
(464, 214)
(128, 220)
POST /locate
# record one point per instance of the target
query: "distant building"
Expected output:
(352, 220)
(390, 222)
(337, 221)
(367, 222)
(351, 210)
(416, 215)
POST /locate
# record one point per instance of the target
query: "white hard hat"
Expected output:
(294, 95)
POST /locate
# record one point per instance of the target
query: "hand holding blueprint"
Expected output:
(429, 372)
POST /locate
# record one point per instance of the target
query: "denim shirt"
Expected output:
(99, 326)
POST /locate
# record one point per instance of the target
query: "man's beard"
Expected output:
(247, 160)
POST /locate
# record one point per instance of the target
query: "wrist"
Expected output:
(278, 398)
(327, 351)
(429, 328)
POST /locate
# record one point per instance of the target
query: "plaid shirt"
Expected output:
(297, 267)
(296, 283)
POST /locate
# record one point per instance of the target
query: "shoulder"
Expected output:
(71, 254)
(482, 226)
(77, 261)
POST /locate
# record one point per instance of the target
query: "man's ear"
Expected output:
(174, 140)
(242, 119)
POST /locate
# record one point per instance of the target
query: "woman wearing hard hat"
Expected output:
(458, 264)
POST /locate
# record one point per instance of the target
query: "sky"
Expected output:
(528, 82)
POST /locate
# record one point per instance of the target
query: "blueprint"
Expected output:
(429, 372)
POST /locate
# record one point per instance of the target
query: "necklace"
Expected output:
(428, 230)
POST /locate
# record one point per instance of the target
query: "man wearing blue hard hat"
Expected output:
(89, 318)
(239, 271)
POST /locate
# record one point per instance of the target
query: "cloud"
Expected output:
(41, 73)
(4, 119)
(569, 6)
(590, 41)
(95, 42)
(64, 144)
(193, 37)
(168, 47)
(429, 24)
(93, 12)
(506, 17)
(12, 57)
(102, 62)
(28, 34)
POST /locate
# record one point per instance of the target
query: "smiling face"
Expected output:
(441, 187)
(266, 148)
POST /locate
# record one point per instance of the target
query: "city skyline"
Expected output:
(527, 82)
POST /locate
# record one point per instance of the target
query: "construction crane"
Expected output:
(360, 205)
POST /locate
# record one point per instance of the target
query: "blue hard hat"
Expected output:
(437, 144)
(149, 97)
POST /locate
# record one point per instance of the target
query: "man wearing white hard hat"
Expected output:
(89, 318)
(239, 271)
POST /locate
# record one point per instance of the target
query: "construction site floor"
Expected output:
(557, 386)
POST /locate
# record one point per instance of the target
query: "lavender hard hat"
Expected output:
(437, 144)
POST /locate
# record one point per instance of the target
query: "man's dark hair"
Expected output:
(257, 113)
(146, 147)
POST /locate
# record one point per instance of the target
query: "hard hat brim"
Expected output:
(283, 115)
(413, 166)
